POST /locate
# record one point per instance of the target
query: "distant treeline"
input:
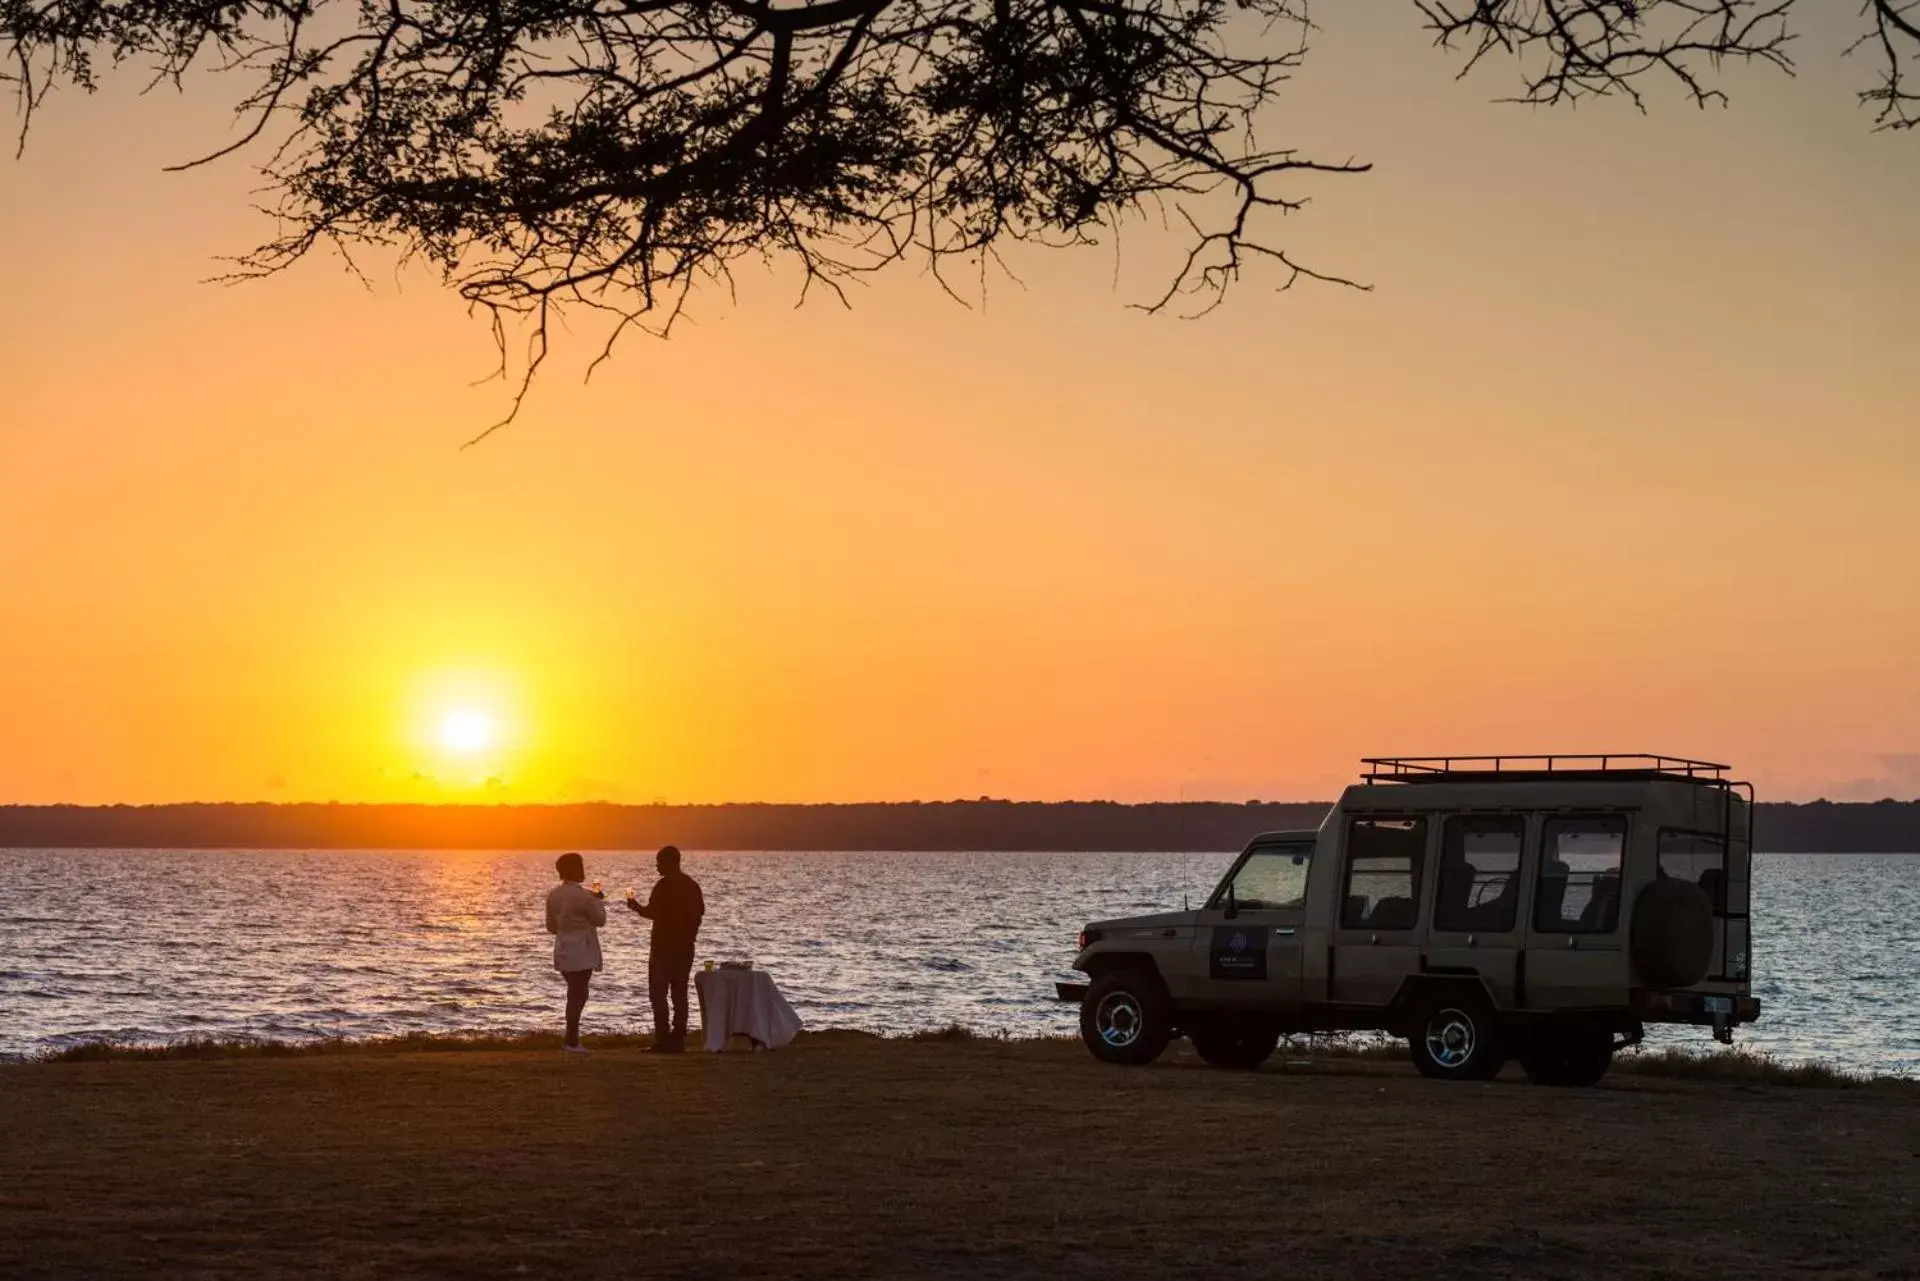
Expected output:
(1819, 827)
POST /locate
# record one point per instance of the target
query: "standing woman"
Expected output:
(574, 915)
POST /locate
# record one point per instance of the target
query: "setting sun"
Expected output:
(467, 731)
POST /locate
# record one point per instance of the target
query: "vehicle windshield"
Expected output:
(1272, 877)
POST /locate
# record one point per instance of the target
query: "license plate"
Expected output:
(1719, 1005)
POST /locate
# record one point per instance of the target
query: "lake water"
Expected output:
(146, 945)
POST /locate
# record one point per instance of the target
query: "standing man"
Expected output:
(675, 908)
(574, 915)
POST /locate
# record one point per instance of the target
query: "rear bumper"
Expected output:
(1075, 992)
(1705, 1008)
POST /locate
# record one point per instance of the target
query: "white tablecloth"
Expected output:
(745, 1003)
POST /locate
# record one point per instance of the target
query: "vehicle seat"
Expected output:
(1714, 882)
(1552, 895)
(1452, 901)
(1603, 906)
(1492, 913)
(1354, 915)
(1394, 914)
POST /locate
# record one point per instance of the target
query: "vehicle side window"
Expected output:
(1383, 873)
(1739, 882)
(1479, 873)
(1580, 861)
(1274, 876)
(1696, 857)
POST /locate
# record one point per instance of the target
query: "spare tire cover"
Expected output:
(1672, 938)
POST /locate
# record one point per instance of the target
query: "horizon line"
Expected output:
(738, 804)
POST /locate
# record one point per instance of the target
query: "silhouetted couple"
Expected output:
(575, 915)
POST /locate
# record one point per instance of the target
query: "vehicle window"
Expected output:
(1580, 875)
(1383, 873)
(1702, 859)
(1479, 874)
(1739, 879)
(1272, 877)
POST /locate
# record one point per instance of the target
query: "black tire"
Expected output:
(1575, 1059)
(1452, 1035)
(1672, 933)
(1126, 1017)
(1234, 1044)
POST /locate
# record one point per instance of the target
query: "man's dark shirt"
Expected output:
(675, 908)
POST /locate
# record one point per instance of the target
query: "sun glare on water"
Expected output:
(467, 731)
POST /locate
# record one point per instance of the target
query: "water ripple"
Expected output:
(152, 944)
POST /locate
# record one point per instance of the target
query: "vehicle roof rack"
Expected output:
(1622, 767)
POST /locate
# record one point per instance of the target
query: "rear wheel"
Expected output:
(1234, 1044)
(1126, 1017)
(1568, 1058)
(1453, 1038)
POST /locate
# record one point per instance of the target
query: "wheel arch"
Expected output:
(1416, 989)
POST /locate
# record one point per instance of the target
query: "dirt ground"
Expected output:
(849, 1157)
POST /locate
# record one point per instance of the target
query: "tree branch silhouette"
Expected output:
(1895, 37)
(618, 155)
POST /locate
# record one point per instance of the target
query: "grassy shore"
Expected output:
(1731, 1065)
(945, 1155)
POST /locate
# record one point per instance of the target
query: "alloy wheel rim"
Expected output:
(1119, 1019)
(1450, 1038)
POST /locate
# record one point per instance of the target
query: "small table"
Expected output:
(743, 1003)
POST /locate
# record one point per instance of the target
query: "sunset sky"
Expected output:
(1621, 453)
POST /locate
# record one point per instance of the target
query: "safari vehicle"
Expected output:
(1540, 907)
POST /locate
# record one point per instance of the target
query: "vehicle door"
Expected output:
(1246, 943)
(1722, 874)
(1378, 934)
(1476, 924)
(1574, 955)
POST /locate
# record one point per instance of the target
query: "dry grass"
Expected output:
(960, 1033)
(188, 1048)
(851, 1156)
(251, 1048)
(1738, 1066)
(1750, 1066)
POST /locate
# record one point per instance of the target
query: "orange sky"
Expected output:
(1621, 453)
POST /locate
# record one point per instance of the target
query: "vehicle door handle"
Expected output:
(1284, 931)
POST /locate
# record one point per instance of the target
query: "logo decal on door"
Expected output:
(1238, 952)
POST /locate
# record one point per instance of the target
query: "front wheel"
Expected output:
(1235, 1044)
(1453, 1038)
(1126, 1018)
